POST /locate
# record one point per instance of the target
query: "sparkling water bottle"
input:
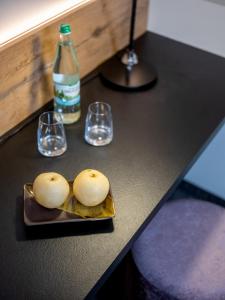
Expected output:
(66, 78)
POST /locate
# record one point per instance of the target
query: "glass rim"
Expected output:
(55, 122)
(98, 102)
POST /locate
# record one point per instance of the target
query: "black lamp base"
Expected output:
(115, 74)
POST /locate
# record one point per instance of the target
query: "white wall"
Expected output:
(200, 23)
(209, 171)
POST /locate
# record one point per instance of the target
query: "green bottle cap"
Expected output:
(65, 29)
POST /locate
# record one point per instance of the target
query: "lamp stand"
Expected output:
(128, 72)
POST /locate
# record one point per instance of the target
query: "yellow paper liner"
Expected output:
(103, 210)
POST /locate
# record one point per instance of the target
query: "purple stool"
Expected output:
(181, 254)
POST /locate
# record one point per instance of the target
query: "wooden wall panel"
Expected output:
(100, 29)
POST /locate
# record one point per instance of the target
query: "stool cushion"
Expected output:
(182, 251)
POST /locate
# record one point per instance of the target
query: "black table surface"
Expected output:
(157, 134)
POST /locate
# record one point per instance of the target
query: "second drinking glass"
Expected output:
(99, 124)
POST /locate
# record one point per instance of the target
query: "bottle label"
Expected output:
(67, 95)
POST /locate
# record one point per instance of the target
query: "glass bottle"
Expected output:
(66, 78)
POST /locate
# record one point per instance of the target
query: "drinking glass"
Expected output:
(99, 124)
(51, 136)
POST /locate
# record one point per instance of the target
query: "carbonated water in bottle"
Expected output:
(66, 78)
